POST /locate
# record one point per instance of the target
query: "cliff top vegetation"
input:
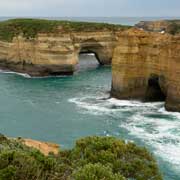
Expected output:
(174, 27)
(92, 158)
(31, 27)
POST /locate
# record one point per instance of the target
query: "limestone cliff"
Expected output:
(53, 52)
(146, 66)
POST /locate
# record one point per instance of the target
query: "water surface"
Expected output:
(63, 109)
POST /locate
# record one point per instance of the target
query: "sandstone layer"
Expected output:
(56, 53)
(146, 66)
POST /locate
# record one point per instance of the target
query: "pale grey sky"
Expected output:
(90, 8)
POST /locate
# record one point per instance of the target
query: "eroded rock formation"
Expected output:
(146, 66)
(55, 54)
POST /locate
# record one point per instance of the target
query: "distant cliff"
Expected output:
(164, 26)
(44, 47)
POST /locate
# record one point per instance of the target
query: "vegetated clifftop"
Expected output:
(146, 66)
(92, 158)
(45, 47)
(167, 26)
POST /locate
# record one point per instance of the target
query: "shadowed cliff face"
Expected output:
(146, 66)
(56, 54)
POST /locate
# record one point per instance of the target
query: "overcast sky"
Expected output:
(90, 8)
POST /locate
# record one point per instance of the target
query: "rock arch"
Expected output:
(101, 51)
(56, 53)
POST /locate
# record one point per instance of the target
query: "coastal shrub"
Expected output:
(18, 165)
(174, 28)
(129, 160)
(2, 138)
(92, 158)
(96, 172)
(29, 28)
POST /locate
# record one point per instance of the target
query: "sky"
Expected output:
(90, 8)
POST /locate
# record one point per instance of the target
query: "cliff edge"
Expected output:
(146, 66)
(45, 47)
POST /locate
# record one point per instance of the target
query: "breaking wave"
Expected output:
(149, 122)
(12, 72)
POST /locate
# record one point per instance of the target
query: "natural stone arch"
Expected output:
(101, 52)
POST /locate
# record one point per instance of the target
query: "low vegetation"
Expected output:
(31, 27)
(92, 158)
(174, 28)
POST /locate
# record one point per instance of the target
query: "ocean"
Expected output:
(63, 109)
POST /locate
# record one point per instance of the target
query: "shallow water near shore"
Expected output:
(63, 109)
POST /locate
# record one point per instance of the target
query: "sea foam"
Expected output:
(149, 122)
(12, 72)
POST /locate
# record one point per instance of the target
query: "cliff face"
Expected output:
(146, 66)
(168, 26)
(153, 25)
(55, 53)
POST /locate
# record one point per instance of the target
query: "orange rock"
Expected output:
(43, 147)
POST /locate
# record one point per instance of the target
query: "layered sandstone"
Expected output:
(56, 52)
(146, 66)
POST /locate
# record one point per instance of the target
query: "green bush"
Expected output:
(96, 172)
(128, 159)
(174, 28)
(92, 158)
(18, 165)
(7, 173)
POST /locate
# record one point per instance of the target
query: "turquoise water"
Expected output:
(63, 109)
